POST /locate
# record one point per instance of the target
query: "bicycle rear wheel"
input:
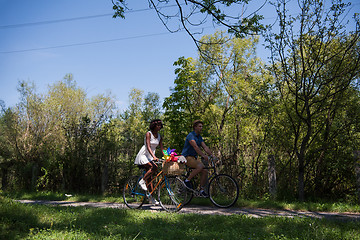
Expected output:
(134, 196)
(172, 194)
(223, 191)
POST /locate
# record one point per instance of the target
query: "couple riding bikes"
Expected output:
(192, 148)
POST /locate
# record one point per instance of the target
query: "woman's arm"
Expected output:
(147, 137)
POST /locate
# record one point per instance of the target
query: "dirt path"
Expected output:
(256, 213)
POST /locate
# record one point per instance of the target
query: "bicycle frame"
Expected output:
(222, 189)
(213, 174)
(169, 196)
(155, 178)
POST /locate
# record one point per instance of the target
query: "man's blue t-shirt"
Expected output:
(188, 150)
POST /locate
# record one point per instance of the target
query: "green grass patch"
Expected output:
(58, 196)
(26, 221)
(321, 206)
(300, 206)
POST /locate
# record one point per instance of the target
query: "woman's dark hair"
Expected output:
(154, 123)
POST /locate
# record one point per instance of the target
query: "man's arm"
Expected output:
(197, 149)
(206, 148)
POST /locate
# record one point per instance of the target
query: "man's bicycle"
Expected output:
(171, 191)
(223, 190)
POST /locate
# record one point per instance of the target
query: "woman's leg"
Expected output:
(151, 168)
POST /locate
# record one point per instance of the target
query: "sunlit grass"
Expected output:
(244, 203)
(25, 221)
(300, 206)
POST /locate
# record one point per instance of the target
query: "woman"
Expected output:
(146, 156)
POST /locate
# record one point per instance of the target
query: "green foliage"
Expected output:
(303, 109)
(190, 12)
(227, 90)
(54, 136)
(135, 123)
(179, 112)
(63, 140)
(316, 72)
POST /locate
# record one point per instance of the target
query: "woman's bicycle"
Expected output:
(223, 190)
(171, 191)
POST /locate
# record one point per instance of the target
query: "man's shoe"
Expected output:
(203, 194)
(142, 184)
(152, 200)
(188, 184)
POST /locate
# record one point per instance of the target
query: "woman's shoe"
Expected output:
(142, 184)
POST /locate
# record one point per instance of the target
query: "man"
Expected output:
(194, 146)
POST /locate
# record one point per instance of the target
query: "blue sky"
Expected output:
(102, 53)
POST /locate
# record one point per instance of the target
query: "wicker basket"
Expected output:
(173, 168)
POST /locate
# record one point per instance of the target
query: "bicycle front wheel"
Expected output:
(223, 191)
(189, 196)
(134, 196)
(172, 194)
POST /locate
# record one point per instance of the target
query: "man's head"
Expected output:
(197, 126)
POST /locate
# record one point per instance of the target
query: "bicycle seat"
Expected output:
(140, 166)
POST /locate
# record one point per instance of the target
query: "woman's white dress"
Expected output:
(143, 156)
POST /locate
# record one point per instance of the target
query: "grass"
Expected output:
(22, 221)
(320, 206)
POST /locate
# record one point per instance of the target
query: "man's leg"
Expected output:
(204, 178)
(196, 165)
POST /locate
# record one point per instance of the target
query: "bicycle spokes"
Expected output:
(223, 191)
(171, 195)
(133, 194)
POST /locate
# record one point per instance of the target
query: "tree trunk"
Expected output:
(104, 178)
(357, 173)
(301, 185)
(4, 178)
(34, 176)
(272, 176)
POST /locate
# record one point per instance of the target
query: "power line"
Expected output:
(73, 19)
(96, 42)
(68, 19)
(88, 17)
(86, 43)
(52, 21)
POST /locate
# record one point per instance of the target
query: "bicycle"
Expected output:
(223, 190)
(171, 191)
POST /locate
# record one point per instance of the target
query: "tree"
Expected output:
(151, 107)
(193, 13)
(230, 94)
(179, 106)
(7, 149)
(56, 140)
(79, 122)
(315, 60)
